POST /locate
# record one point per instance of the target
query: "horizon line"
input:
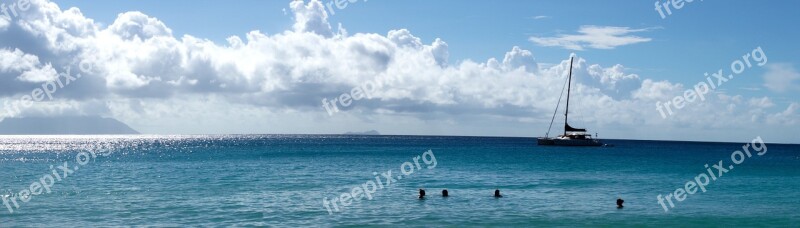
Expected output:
(366, 135)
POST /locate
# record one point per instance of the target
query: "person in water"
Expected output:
(619, 202)
(445, 193)
(421, 193)
(497, 193)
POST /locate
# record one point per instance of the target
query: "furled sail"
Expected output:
(572, 129)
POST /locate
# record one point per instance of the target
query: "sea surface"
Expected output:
(284, 180)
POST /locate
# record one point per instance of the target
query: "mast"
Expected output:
(569, 85)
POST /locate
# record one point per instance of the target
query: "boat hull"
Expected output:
(545, 141)
(568, 142)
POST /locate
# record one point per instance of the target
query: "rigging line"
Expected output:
(556, 111)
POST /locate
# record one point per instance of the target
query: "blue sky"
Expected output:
(445, 67)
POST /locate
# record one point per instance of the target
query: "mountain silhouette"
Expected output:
(75, 125)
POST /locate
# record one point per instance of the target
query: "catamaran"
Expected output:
(572, 136)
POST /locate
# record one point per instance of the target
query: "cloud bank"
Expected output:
(274, 83)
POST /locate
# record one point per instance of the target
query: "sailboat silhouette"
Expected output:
(572, 136)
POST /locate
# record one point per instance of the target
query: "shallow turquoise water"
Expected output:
(281, 180)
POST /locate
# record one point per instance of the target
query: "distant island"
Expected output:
(78, 125)
(372, 132)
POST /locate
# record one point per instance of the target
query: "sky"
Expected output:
(483, 68)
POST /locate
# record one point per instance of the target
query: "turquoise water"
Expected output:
(281, 180)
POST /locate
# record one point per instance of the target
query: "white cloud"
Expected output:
(781, 77)
(26, 66)
(159, 83)
(4, 23)
(597, 37)
(404, 38)
(17, 61)
(136, 25)
(541, 17)
(311, 17)
(763, 102)
(789, 116)
(519, 57)
(39, 75)
(657, 90)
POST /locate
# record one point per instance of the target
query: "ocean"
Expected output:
(339, 180)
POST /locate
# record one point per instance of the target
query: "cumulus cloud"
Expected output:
(311, 17)
(145, 75)
(16, 61)
(18, 68)
(136, 25)
(518, 57)
(590, 36)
